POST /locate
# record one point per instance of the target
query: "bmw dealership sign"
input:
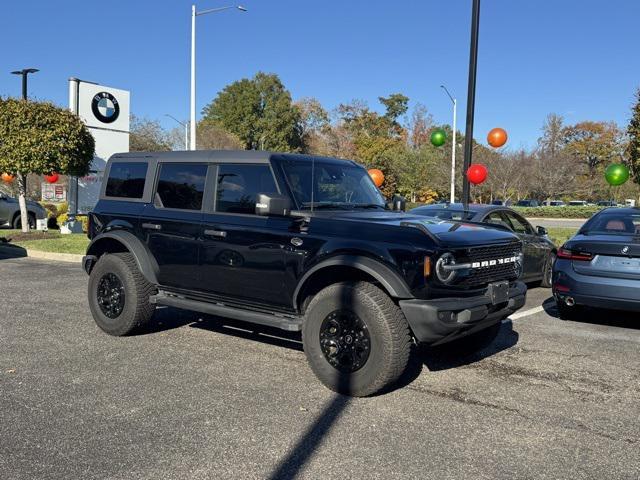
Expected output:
(105, 111)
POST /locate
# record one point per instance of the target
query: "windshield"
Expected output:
(613, 223)
(337, 184)
(443, 214)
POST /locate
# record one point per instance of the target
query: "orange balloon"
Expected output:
(377, 176)
(7, 178)
(497, 137)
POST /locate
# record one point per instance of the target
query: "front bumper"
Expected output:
(439, 321)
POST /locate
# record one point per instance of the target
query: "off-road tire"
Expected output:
(546, 273)
(387, 327)
(137, 309)
(31, 218)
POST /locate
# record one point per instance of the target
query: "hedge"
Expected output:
(546, 212)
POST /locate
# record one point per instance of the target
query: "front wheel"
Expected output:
(356, 340)
(119, 294)
(31, 218)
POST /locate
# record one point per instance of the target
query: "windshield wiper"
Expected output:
(368, 205)
(326, 205)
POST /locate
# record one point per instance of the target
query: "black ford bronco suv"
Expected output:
(300, 243)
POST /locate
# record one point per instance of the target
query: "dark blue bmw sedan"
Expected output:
(600, 265)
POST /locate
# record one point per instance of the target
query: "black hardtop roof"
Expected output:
(233, 156)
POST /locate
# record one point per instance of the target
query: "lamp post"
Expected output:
(186, 130)
(195, 14)
(471, 99)
(453, 146)
(24, 72)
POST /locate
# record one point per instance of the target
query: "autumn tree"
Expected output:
(147, 136)
(633, 147)
(314, 121)
(40, 138)
(259, 111)
(552, 139)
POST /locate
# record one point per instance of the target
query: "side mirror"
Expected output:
(541, 231)
(272, 204)
(398, 203)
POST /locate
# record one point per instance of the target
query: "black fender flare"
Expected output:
(143, 257)
(390, 280)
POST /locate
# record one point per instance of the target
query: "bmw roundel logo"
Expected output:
(105, 107)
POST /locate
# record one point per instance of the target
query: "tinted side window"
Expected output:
(181, 185)
(238, 186)
(520, 225)
(126, 179)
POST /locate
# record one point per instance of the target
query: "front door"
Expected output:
(171, 224)
(242, 254)
(534, 249)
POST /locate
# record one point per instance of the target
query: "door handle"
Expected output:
(152, 226)
(215, 233)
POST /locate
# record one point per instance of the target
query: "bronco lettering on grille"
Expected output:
(491, 263)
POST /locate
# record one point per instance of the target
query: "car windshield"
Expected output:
(613, 223)
(445, 214)
(331, 185)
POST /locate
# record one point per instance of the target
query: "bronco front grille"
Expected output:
(492, 267)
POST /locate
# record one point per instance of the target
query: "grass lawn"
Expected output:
(561, 235)
(51, 241)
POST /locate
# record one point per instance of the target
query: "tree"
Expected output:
(259, 111)
(551, 141)
(314, 121)
(147, 136)
(633, 147)
(39, 137)
(420, 125)
(213, 137)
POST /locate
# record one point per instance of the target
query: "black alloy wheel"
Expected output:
(111, 296)
(345, 341)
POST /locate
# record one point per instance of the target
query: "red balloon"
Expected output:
(377, 176)
(477, 173)
(7, 178)
(497, 137)
(53, 177)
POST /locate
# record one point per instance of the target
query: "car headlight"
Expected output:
(446, 268)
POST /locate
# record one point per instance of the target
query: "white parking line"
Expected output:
(526, 313)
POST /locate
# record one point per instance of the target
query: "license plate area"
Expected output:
(498, 292)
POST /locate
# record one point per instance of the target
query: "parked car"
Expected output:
(539, 250)
(528, 203)
(299, 243)
(578, 203)
(600, 265)
(503, 203)
(554, 203)
(10, 212)
(607, 203)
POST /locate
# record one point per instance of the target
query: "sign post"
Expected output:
(105, 111)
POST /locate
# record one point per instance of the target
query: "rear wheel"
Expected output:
(357, 341)
(119, 294)
(17, 221)
(547, 274)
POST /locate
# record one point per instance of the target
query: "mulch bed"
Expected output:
(21, 237)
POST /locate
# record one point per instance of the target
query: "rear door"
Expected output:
(171, 224)
(242, 254)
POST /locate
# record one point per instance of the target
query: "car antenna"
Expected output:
(313, 169)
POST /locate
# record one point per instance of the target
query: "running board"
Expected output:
(291, 323)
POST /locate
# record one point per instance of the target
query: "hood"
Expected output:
(450, 233)
(30, 203)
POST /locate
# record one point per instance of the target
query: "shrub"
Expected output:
(558, 212)
(62, 218)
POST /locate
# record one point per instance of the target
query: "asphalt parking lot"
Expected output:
(199, 397)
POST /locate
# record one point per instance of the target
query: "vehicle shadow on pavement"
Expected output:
(453, 355)
(8, 251)
(597, 316)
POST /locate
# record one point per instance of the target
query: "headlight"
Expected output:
(445, 268)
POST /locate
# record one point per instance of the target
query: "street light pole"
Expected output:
(186, 130)
(194, 14)
(453, 146)
(471, 99)
(24, 72)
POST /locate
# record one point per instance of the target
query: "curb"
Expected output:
(60, 257)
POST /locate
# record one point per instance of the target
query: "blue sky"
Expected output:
(578, 58)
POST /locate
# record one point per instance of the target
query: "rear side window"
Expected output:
(126, 180)
(181, 185)
(238, 186)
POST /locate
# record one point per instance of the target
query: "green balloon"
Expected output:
(438, 137)
(616, 174)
